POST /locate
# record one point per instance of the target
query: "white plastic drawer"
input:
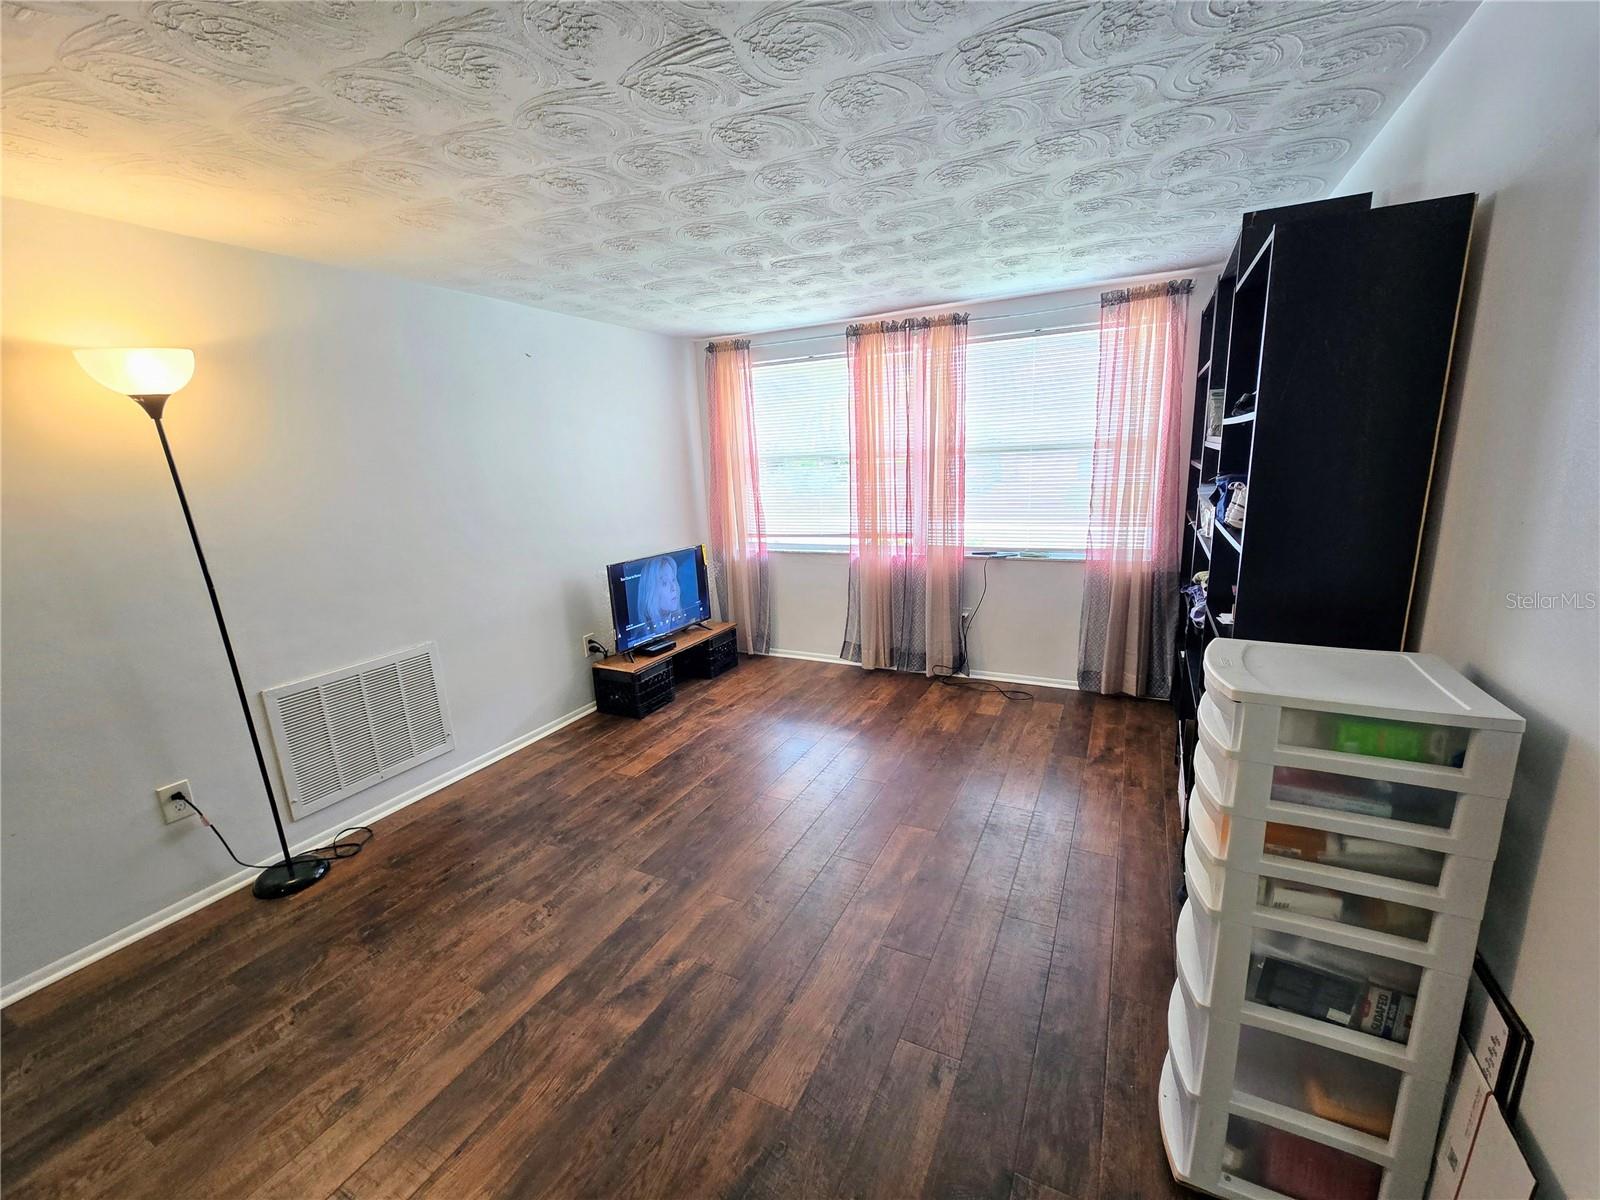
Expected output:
(1179, 1113)
(1351, 1000)
(1341, 916)
(1408, 717)
(1197, 934)
(1390, 872)
(1299, 846)
(1388, 740)
(1214, 824)
(1188, 1027)
(1354, 1105)
(1446, 757)
(1216, 889)
(1320, 902)
(1378, 809)
(1382, 871)
(1208, 773)
(1220, 719)
(1353, 855)
(1339, 1089)
(1287, 1163)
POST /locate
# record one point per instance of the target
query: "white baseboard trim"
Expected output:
(160, 919)
(810, 657)
(986, 676)
(1070, 685)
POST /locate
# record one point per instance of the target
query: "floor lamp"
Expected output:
(150, 377)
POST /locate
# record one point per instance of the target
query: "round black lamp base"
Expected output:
(286, 879)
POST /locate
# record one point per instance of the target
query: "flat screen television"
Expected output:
(654, 597)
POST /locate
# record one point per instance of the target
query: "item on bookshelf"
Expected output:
(1214, 413)
(1295, 841)
(1305, 788)
(1194, 594)
(1411, 863)
(1438, 745)
(1369, 912)
(1345, 1000)
(1217, 498)
(1307, 1170)
(1244, 404)
(1301, 901)
(1353, 853)
(1324, 1102)
(1238, 495)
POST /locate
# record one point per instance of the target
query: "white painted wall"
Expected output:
(1511, 111)
(1027, 628)
(372, 463)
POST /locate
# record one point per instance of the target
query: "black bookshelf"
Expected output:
(1340, 318)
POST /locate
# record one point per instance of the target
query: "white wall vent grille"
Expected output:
(340, 733)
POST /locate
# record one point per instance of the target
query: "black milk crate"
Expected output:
(634, 693)
(712, 657)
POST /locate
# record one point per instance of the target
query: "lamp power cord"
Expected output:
(959, 676)
(347, 843)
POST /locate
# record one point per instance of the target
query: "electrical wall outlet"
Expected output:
(174, 803)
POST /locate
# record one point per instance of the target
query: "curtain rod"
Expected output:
(1036, 312)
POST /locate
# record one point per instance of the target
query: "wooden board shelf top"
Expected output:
(641, 662)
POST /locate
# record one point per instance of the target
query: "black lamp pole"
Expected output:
(292, 874)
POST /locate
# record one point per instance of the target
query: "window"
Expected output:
(803, 440)
(1030, 438)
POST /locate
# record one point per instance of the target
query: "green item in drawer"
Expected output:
(1383, 739)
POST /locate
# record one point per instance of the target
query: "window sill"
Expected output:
(971, 555)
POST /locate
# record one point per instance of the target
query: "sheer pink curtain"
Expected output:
(908, 384)
(738, 532)
(1125, 635)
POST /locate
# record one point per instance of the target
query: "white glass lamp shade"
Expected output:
(135, 372)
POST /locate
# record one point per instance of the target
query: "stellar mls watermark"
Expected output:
(1547, 601)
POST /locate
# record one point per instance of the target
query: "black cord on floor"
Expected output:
(951, 677)
(347, 843)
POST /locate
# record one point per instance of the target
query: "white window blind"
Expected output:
(803, 440)
(1030, 438)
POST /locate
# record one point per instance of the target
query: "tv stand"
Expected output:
(626, 687)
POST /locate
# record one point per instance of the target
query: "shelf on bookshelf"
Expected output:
(1213, 443)
(1241, 419)
(1229, 536)
(1244, 276)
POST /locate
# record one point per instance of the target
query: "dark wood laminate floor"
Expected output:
(809, 932)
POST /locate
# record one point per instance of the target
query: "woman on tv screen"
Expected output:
(660, 599)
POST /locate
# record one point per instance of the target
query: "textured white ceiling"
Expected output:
(705, 167)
